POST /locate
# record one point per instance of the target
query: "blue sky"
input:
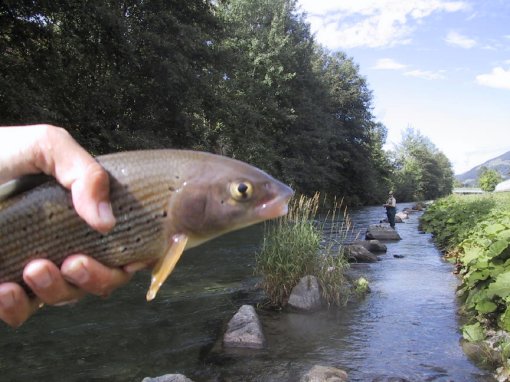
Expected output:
(441, 67)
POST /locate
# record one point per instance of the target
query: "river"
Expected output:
(406, 328)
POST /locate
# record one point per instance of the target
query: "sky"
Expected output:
(440, 67)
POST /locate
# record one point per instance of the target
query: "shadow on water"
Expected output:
(407, 327)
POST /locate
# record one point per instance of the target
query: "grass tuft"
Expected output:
(299, 244)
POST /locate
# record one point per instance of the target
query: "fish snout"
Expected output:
(278, 204)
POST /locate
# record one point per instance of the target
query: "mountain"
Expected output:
(500, 164)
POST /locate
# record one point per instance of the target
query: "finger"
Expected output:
(52, 150)
(47, 283)
(76, 170)
(15, 306)
(92, 276)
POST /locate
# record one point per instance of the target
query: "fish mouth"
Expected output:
(276, 206)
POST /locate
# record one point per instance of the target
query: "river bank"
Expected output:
(406, 328)
(474, 233)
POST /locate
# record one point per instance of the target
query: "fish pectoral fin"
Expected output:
(166, 264)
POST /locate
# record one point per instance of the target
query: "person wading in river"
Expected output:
(391, 209)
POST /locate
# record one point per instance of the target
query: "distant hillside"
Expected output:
(500, 164)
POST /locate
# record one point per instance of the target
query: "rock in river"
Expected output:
(356, 253)
(382, 232)
(374, 246)
(244, 330)
(306, 294)
(168, 378)
(320, 373)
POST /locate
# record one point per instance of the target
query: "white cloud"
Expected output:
(498, 78)
(348, 24)
(456, 39)
(425, 74)
(388, 64)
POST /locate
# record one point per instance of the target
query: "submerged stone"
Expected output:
(306, 294)
(244, 330)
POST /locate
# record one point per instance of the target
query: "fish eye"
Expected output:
(241, 190)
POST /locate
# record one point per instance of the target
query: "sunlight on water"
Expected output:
(407, 326)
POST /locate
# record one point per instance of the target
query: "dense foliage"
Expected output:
(476, 232)
(237, 77)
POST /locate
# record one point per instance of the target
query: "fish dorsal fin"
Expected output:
(25, 183)
(166, 264)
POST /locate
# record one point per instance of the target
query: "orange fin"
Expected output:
(166, 264)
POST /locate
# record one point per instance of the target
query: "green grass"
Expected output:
(298, 245)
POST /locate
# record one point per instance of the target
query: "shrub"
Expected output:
(297, 245)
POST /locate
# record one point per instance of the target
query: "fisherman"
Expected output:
(49, 149)
(391, 209)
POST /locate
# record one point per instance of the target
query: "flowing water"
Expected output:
(406, 328)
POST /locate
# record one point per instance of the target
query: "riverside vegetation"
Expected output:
(300, 244)
(474, 233)
(240, 78)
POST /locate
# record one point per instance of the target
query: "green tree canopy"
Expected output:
(422, 172)
(489, 178)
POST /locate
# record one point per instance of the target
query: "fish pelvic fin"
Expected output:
(166, 264)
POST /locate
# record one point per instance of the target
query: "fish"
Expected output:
(165, 201)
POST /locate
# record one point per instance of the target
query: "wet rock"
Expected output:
(381, 232)
(398, 256)
(306, 294)
(244, 330)
(168, 378)
(356, 253)
(320, 373)
(374, 246)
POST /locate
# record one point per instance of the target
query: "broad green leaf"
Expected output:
(494, 228)
(500, 287)
(486, 306)
(504, 320)
(473, 333)
(472, 254)
(497, 248)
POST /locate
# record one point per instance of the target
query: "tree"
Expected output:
(422, 171)
(488, 179)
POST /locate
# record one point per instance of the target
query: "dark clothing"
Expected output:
(390, 213)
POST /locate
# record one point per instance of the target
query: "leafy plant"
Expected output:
(477, 231)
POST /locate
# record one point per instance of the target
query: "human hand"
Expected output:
(52, 150)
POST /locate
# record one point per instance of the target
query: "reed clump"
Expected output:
(299, 244)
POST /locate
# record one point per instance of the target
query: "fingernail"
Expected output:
(39, 278)
(7, 300)
(134, 267)
(106, 213)
(43, 279)
(76, 273)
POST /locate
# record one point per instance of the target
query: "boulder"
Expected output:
(244, 330)
(374, 246)
(168, 378)
(306, 294)
(320, 373)
(402, 216)
(356, 253)
(381, 232)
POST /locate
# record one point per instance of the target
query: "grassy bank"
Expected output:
(474, 232)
